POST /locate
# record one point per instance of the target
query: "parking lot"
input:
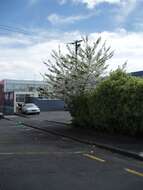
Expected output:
(33, 160)
(58, 116)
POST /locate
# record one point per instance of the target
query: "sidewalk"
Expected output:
(127, 146)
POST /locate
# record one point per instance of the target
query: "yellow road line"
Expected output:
(134, 172)
(94, 157)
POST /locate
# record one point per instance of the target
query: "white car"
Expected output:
(30, 108)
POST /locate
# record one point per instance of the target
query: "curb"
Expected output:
(103, 146)
(58, 122)
(21, 115)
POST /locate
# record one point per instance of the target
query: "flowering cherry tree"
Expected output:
(74, 73)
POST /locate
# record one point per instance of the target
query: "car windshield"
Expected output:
(30, 105)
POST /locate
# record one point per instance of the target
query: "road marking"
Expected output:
(38, 153)
(6, 153)
(94, 157)
(134, 172)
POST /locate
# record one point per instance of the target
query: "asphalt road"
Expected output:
(61, 116)
(34, 160)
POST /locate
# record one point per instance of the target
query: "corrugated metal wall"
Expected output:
(47, 105)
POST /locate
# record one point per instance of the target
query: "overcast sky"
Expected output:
(30, 29)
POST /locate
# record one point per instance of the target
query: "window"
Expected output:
(20, 98)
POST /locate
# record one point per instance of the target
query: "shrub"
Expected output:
(116, 105)
(80, 110)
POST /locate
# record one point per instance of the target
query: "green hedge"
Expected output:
(115, 106)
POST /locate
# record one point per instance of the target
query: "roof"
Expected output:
(22, 81)
(137, 73)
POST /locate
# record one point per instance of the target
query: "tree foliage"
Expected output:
(73, 74)
(116, 105)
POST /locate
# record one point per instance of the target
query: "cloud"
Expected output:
(128, 47)
(19, 40)
(56, 19)
(26, 62)
(138, 25)
(62, 2)
(33, 2)
(90, 3)
(125, 9)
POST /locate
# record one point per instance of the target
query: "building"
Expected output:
(137, 74)
(14, 92)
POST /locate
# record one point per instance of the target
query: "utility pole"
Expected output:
(77, 45)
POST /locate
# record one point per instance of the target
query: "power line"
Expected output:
(14, 29)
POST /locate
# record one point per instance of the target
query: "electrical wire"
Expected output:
(14, 29)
